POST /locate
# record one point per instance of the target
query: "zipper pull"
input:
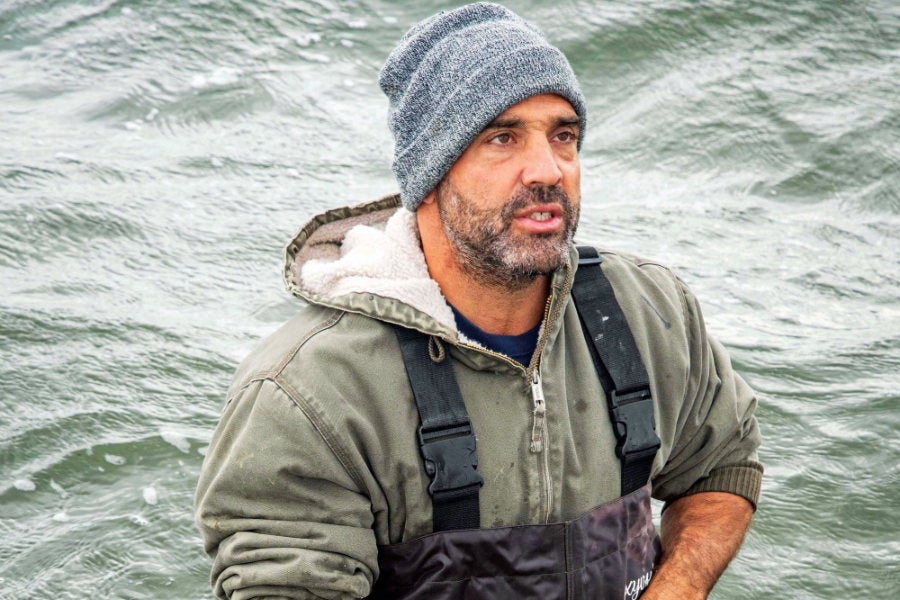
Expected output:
(540, 411)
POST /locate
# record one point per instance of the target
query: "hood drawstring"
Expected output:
(436, 349)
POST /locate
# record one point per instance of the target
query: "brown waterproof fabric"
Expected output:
(607, 553)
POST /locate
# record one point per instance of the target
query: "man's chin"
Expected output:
(536, 264)
(547, 252)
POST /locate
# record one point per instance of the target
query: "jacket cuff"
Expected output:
(743, 479)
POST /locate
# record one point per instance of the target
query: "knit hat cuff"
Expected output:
(504, 81)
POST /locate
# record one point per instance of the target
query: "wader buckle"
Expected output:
(635, 425)
(450, 460)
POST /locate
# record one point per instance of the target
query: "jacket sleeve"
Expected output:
(279, 514)
(713, 432)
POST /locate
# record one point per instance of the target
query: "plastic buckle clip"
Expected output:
(635, 424)
(589, 260)
(450, 459)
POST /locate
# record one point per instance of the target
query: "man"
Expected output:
(326, 478)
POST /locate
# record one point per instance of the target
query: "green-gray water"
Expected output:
(156, 154)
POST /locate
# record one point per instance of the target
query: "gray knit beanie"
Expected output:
(451, 75)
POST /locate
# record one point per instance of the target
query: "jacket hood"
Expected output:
(368, 259)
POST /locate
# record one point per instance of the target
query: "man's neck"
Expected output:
(493, 309)
(496, 310)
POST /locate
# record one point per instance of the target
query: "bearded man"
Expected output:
(470, 406)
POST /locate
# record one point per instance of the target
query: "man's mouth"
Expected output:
(545, 218)
(540, 216)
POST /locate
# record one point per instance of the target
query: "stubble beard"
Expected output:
(490, 251)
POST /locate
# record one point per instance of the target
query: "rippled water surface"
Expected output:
(156, 155)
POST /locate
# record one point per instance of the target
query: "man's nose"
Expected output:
(541, 167)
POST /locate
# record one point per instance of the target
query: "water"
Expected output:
(156, 155)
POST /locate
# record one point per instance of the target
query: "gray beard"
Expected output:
(486, 249)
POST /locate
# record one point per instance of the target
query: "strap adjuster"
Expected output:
(588, 255)
(635, 424)
(450, 460)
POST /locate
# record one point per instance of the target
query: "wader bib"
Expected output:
(607, 553)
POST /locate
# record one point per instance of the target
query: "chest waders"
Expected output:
(607, 553)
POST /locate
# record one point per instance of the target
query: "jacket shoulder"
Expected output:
(624, 260)
(279, 348)
(632, 274)
(654, 299)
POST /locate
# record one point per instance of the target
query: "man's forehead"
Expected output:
(549, 107)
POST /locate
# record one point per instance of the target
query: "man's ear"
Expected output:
(430, 197)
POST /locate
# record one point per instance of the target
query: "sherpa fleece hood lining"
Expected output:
(370, 249)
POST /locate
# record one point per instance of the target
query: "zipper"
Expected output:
(538, 435)
(537, 391)
(484, 350)
(539, 432)
(540, 412)
(549, 318)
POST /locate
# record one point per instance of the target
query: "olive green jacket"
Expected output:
(315, 462)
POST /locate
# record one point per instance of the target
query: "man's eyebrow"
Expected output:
(568, 121)
(508, 123)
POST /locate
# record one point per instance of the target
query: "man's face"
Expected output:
(510, 203)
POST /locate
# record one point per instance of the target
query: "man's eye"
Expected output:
(567, 136)
(502, 138)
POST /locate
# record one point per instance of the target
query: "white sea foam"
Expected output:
(263, 51)
(114, 459)
(61, 517)
(220, 77)
(314, 57)
(150, 495)
(58, 489)
(24, 485)
(176, 439)
(307, 38)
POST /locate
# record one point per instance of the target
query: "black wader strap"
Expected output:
(619, 367)
(446, 438)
